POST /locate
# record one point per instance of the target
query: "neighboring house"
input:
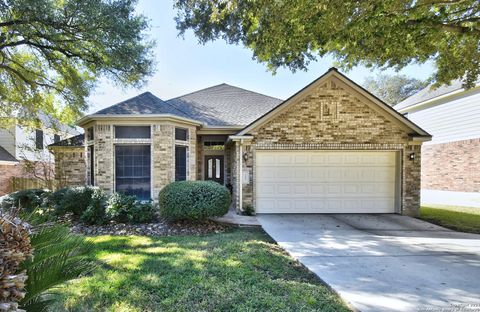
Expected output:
(451, 161)
(20, 145)
(331, 147)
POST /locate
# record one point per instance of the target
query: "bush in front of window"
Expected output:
(27, 200)
(126, 209)
(95, 212)
(193, 200)
(143, 212)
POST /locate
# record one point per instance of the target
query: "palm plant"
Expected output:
(59, 256)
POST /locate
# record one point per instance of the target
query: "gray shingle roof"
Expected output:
(6, 156)
(428, 93)
(224, 105)
(71, 141)
(145, 103)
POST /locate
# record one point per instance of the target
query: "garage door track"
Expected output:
(384, 262)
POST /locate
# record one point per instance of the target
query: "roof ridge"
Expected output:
(193, 92)
(223, 83)
(129, 99)
(253, 92)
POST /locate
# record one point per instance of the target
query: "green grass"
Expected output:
(463, 219)
(241, 270)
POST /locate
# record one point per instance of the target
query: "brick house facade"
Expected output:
(224, 128)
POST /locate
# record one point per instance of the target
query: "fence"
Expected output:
(18, 184)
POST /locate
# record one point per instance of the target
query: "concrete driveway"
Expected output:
(384, 262)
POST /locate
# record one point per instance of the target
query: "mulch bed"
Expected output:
(160, 228)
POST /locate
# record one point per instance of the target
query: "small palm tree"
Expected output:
(59, 256)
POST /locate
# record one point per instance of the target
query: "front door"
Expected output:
(214, 168)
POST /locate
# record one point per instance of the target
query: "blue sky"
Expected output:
(183, 65)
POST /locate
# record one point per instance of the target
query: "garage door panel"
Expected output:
(325, 182)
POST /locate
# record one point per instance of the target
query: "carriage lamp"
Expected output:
(411, 156)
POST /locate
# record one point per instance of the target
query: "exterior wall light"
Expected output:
(411, 156)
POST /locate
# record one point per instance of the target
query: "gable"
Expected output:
(333, 82)
(332, 112)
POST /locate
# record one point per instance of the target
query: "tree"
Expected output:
(52, 53)
(393, 89)
(378, 33)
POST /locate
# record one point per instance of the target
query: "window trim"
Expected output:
(187, 134)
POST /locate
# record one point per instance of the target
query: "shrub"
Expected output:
(95, 212)
(125, 208)
(73, 199)
(248, 210)
(193, 200)
(142, 212)
(28, 200)
(59, 256)
(119, 207)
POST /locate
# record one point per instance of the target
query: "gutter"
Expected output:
(438, 98)
(88, 118)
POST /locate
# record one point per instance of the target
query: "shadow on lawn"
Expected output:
(237, 270)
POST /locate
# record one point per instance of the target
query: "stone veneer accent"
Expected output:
(70, 169)
(334, 116)
(162, 144)
(452, 166)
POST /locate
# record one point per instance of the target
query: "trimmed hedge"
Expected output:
(193, 200)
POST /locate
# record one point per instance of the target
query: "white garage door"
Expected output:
(325, 181)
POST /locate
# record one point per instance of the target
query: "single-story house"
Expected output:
(330, 148)
(451, 160)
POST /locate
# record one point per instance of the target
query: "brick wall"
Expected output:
(8, 171)
(453, 166)
(103, 157)
(334, 116)
(162, 144)
(69, 165)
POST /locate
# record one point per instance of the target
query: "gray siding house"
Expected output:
(451, 160)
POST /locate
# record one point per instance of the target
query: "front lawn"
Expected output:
(463, 219)
(240, 270)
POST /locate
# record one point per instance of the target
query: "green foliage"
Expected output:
(95, 212)
(28, 200)
(73, 199)
(120, 206)
(59, 256)
(372, 33)
(248, 210)
(143, 212)
(53, 52)
(393, 89)
(124, 208)
(194, 200)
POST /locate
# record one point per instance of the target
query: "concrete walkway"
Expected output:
(384, 262)
(235, 219)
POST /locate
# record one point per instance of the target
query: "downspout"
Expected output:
(240, 176)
